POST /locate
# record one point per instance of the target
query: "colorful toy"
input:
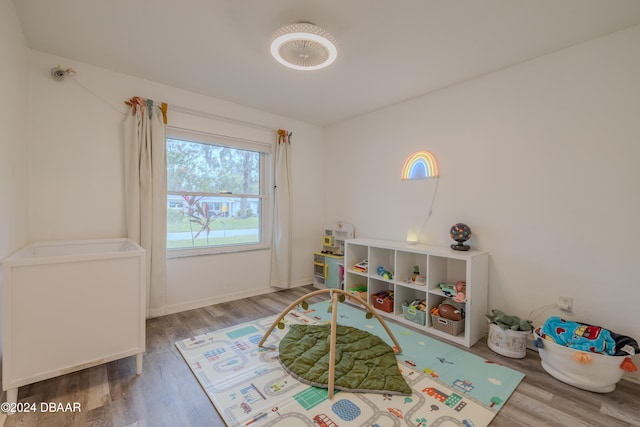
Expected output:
(386, 274)
(458, 291)
(362, 266)
(418, 304)
(461, 291)
(416, 273)
(460, 233)
(448, 289)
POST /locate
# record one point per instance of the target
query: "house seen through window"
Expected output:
(215, 193)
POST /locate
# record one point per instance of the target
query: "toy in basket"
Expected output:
(508, 334)
(415, 311)
(448, 317)
(584, 356)
(383, 301)
(360, 291)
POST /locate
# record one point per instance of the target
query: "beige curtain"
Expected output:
(146, 193)
(282, 218)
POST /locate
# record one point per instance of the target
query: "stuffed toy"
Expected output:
(506, 321)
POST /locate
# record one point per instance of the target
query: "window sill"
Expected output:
(187, 253)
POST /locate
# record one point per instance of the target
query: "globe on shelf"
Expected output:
(460, 233)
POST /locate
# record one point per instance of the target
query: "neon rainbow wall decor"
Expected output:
(420, 165)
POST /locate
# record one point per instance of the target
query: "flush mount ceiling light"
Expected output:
(303, 46)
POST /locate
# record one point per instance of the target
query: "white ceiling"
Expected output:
(389, 51)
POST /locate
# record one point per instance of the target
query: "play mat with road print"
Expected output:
(249, 387)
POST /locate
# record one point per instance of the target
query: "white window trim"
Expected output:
(266, 182)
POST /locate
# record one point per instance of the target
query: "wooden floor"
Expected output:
(167, 393)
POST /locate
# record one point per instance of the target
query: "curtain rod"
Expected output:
(72, 72)
(165, 106)
(219, 117)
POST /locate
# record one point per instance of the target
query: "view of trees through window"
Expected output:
(214, 195)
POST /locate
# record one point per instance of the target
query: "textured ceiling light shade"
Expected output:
(303, 46)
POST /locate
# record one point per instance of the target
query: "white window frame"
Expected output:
(266, 178)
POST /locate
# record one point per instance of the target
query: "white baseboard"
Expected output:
(191, 305)
(633, 377)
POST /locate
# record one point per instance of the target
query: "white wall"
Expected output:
(13, 141)
(14, 148)
(76, 174)
(540, 160)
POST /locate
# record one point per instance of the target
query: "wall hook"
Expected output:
(58, 73)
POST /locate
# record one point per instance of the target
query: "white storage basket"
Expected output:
(589, 371)
(507, 342)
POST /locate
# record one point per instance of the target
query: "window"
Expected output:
(216, 198)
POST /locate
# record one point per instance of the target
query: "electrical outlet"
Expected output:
(565, 303)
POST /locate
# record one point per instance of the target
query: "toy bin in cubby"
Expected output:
(360, 291)
(383, 301)
(413, 314)
(452, 327)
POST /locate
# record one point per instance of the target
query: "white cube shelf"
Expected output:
(438, 265)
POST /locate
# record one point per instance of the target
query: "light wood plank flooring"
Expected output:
(167, 394)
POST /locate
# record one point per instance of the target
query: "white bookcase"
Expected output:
(437, 265)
